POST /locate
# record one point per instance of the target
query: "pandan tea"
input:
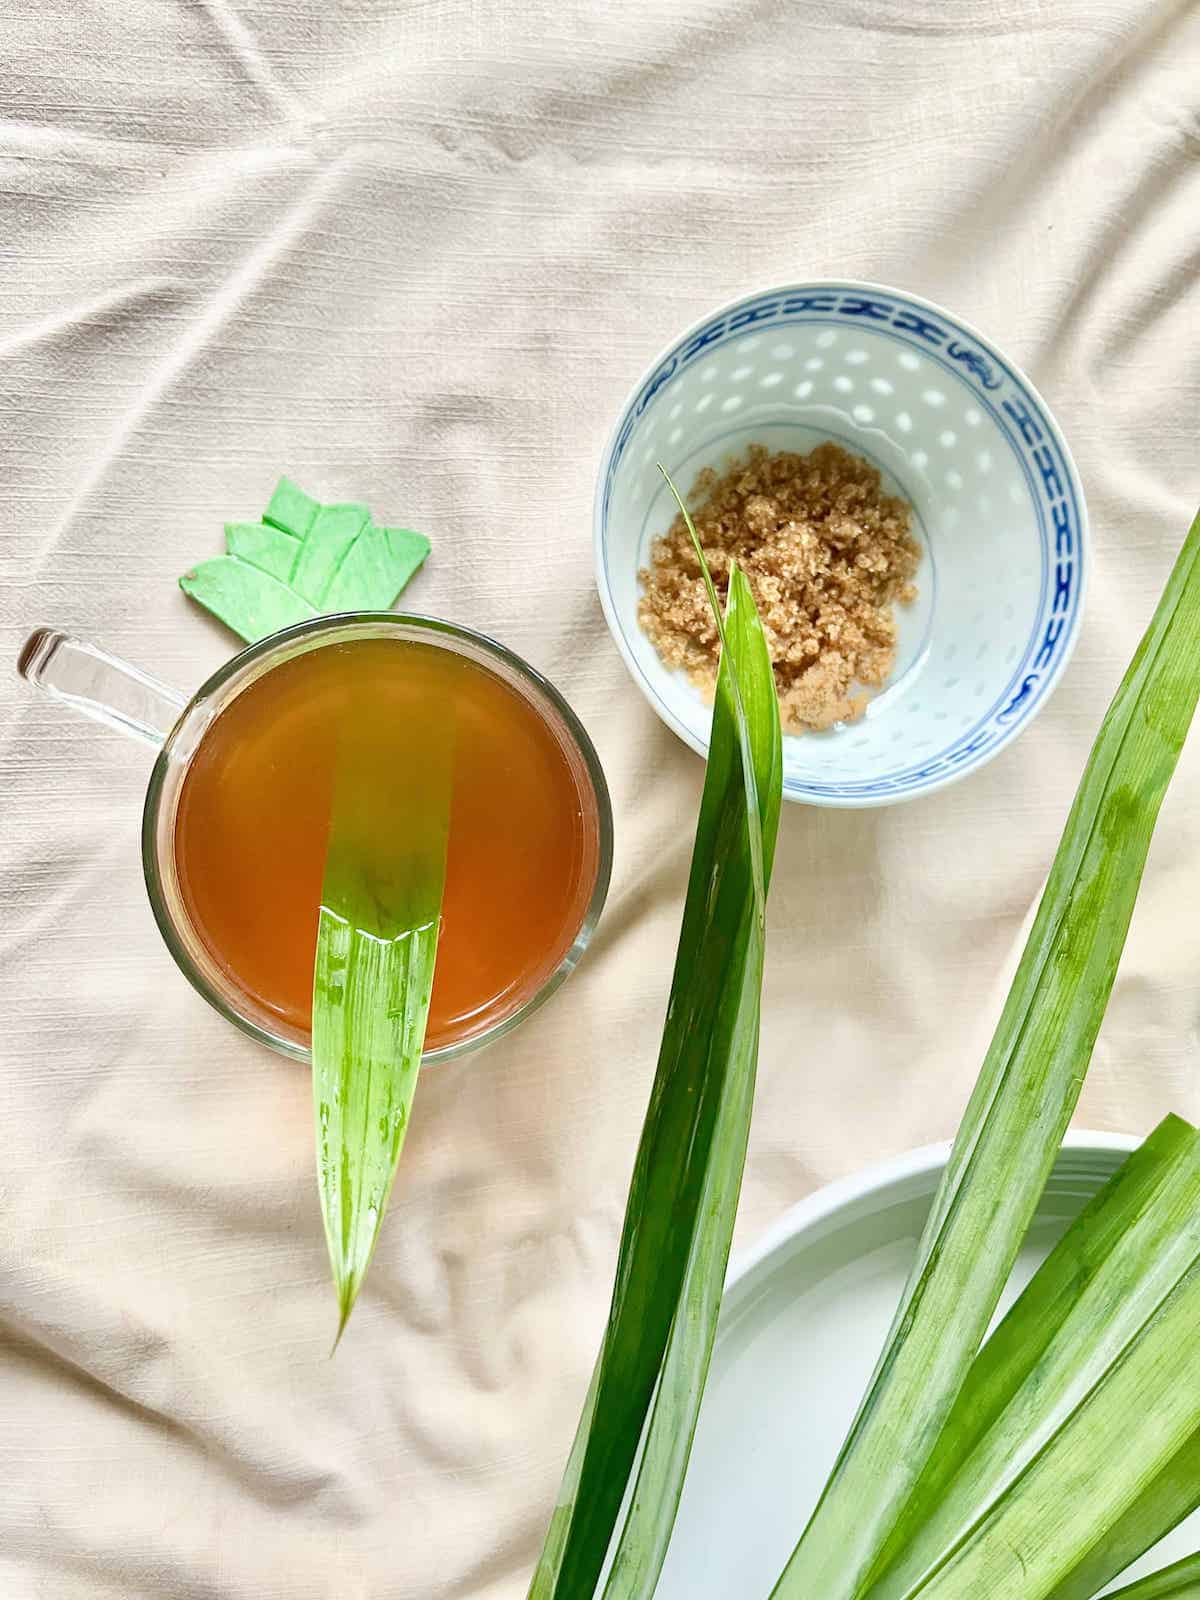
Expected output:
(252, 825)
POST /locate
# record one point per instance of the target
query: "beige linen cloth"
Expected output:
(417, 253)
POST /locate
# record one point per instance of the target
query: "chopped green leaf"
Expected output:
(325, 546)
(303, 560)
(247, 599)
(262, 546)
(372, 567)
(291, 509)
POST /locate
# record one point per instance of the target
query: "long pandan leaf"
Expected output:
(646, 1530)
(1134, 1253)
(1014, 1351)
(1019, 1110)
(688, 1168)
(1173, 1495)
(1088, 1474)
(376, 946)
(1178, 1582)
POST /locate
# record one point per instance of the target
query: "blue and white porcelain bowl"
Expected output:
(954, 427)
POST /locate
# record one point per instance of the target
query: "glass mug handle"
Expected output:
(99, 686)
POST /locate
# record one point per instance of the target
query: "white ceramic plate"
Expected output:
(955, 428)
(803, 1322)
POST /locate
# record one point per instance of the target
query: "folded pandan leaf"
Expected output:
(303, 560)
(679, 1218)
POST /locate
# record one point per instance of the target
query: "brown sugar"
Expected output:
(827, 554)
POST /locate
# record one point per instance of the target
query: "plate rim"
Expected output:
(831, 1198)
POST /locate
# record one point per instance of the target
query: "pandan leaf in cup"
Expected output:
(377, 940)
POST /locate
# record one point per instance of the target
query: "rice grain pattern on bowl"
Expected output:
(957, 431)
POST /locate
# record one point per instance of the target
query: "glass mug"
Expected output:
(110, 691)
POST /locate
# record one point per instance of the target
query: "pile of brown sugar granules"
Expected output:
(826, 552)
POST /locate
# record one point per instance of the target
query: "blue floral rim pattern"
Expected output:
(1028, 430)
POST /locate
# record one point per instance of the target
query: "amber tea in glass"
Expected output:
(237, 810)
(252, 823)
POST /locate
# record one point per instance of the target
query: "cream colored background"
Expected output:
(417, 253)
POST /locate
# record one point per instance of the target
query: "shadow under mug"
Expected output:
(123, 697)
